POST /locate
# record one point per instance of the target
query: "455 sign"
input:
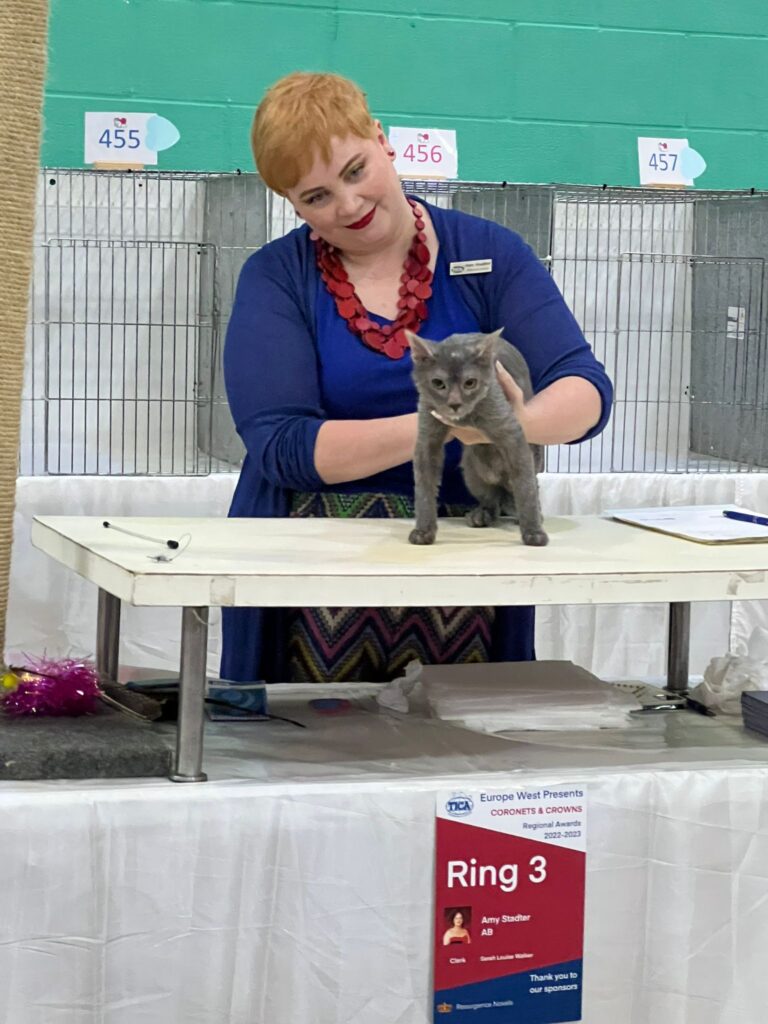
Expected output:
(126, 137)
(117, 136)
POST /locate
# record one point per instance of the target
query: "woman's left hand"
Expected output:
(514, 395)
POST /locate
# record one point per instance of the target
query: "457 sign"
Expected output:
(668, 162)
(425, 152)
(662, 161)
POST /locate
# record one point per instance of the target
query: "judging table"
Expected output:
(358, 563)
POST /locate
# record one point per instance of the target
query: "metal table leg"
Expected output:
(108, 636)
(678, 648)
(188, 766)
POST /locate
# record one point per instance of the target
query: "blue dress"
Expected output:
(290, 362)
(357, 383)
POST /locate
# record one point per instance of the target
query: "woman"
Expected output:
(457, 933)
(317, 372)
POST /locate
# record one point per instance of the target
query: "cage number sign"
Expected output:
(661, 161)
(425, 152)
(117, 139)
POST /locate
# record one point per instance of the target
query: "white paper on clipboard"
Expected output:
(705, 524)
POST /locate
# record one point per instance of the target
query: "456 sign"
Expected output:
(425, 152)
(422, 153)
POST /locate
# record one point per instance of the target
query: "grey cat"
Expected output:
(456, 378)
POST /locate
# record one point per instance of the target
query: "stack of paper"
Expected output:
(506, 696)
(754, 707)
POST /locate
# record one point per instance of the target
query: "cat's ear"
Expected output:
(421, 350)
(486, 346)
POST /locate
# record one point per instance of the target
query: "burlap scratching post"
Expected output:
(106, 745)
(23, 46)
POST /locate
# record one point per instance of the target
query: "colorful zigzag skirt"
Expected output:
(375, 644)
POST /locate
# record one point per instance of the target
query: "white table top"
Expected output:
(368, 562)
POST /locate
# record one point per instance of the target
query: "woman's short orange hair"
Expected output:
(297, 119)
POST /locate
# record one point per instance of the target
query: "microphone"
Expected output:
(172, 544)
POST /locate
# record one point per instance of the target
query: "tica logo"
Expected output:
(444, 1008)
(459, 805)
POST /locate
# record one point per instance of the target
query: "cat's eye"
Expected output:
(438, 384)
(470, 383)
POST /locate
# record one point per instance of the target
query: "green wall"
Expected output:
(538, 90)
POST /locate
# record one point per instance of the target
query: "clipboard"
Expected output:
(704, 524)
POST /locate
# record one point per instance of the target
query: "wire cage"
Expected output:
(135, 276)
(133, 280)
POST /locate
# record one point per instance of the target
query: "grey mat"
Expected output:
(107, 745)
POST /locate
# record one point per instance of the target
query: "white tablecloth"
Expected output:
(296, 885)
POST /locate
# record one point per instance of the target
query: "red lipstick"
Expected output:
(363, 222)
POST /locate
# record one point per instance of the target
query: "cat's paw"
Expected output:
(480, 517)
(427, 536)
(536, 538)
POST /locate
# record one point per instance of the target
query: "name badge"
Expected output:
(470, 267)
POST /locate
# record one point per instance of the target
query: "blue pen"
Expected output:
(746, 517)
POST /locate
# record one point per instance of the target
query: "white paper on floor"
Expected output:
(506, 696)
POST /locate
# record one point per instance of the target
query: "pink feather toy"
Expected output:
(48, 687)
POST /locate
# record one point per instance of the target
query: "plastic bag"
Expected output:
(726, 678)
(395, 695)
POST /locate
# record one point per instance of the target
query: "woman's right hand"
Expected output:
(355, 449)
(467, 435)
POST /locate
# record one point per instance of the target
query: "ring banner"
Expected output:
(509, 905)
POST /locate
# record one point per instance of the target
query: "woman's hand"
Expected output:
(514, 395)
(467, 435)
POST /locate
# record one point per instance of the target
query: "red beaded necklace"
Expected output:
(415, 289)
